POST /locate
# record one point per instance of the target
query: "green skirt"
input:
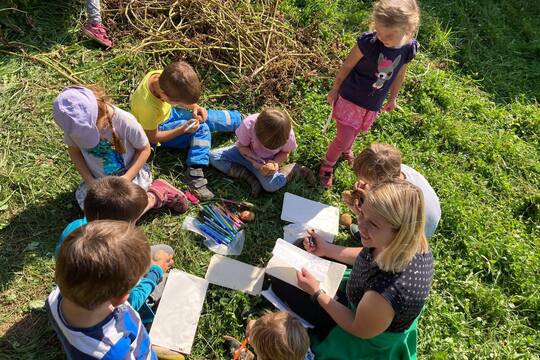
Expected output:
(340, 345)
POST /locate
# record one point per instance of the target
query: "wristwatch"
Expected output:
(316, 295)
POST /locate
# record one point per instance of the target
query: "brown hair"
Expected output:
(180, 83)
(104, 117)
(403, 14)
(273, 128)
(101, 261)
(401, 204)
(378, 163)
(114, 198)
(279, 336)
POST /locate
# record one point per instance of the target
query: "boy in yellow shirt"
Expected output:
(165, 104)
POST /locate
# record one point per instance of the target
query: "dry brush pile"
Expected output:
(250, 44)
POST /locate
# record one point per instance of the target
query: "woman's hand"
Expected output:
(307, 282)
(314, 244)
(332, 96)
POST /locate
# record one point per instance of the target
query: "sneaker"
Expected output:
(349, 157)
(97, 32)
(325, 178)
(166, 354)
(168, 195)
(233, 345)
(296, 170)
(355, 232)
(240, 172)
(197, 182)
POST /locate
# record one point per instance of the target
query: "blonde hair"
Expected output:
(104, 117)
(403, 14)
(401, 204)
(279, 336)
(273, 128)
(378, 163)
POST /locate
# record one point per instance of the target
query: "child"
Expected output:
(116, 198)
(380, 163)
(94, 28)
(156, 104)
(275, 336)
(375, 67)
(97, 266)
(103, 140)
(264, 143)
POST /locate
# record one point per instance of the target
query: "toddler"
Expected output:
(103, 139)
(165, 104)
(264, 143)
(373, 71)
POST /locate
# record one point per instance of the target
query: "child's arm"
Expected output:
(248, 154)
(394, 89)
(141, 292)
(77, 158)
(281, 157)
(139, 159)
(156, 136)
(352, 59)
(199, 112)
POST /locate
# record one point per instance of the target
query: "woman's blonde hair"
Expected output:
(401, 204)
(104, 117)
(279, 336)
(403, 14)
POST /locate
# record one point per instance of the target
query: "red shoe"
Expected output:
(97, 32)
(325, 178)
(168, 195)
(349, 157)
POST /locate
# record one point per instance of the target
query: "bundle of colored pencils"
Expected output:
(219, 223)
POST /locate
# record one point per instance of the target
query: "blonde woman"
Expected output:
(387, 288)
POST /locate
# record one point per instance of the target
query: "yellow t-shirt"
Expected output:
(148, 109)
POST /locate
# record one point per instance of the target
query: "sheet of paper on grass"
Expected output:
(233, 274)
(178, 312)
(284, 267)
(271, 296)
(309, 214)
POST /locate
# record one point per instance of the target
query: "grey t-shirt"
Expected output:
(431, 201)
(103, 159)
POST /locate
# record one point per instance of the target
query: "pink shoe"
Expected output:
(168, 195)
(325, 177)
(97, 32)
(349, 157)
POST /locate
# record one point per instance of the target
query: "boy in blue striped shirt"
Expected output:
(97, 266)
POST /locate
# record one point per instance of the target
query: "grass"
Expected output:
(468, 120)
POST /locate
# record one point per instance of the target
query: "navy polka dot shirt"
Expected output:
(406, 291)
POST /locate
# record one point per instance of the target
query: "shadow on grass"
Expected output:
(31, 338)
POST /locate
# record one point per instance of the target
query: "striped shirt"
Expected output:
(121, 335)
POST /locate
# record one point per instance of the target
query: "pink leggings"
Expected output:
(342, 144)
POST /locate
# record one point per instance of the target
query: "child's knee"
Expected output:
(274, 185)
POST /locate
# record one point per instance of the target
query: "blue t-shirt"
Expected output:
(120, 336)
(369, 81)
(72, 226)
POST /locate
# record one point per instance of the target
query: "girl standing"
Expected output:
(375, 68)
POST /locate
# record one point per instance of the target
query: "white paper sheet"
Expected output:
(234, 274)
(310, 214)
(298, 259)
(178, 312)
(271, 296)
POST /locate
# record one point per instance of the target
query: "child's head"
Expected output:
(273, 128)
(279, 336)
(81, 111)
(395, 19)
(114, 198)
(101, 262)
(401, 205)
(377, 163)
(180, 84)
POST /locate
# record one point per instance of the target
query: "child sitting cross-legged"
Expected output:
(97, 265)
(116, 198)
(264, 143)
(274, 336)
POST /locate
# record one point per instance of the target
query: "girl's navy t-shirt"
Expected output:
(369, 81)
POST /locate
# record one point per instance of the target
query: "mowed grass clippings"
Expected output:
(468, 124)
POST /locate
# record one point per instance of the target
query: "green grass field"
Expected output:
(468, 119)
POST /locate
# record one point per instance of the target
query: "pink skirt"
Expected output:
(349, 114)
